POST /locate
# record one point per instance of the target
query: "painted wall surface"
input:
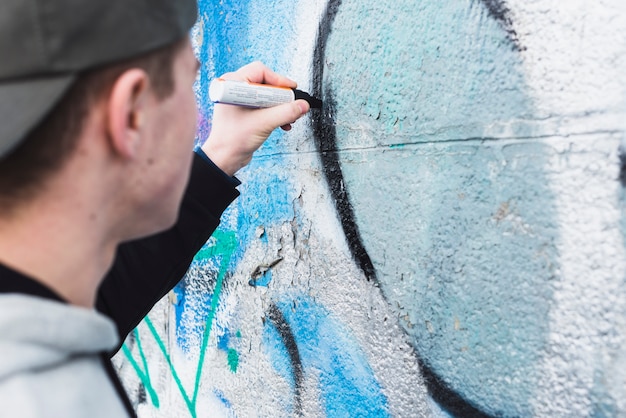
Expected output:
(445, 238)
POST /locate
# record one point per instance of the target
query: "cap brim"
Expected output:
(24, 103)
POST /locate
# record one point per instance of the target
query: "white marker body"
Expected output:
(242, 93)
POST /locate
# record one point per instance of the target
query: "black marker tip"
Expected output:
(314, 102)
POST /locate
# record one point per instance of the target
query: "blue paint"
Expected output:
(222, 398)
(215, 259)
(179, 292)
(195, 307)
(225, 402)
(347, 383)
(223, 341)
(224, 25)
(277, 353)
(264, 199)
(279, 358)
(230, 37)
(262, 281)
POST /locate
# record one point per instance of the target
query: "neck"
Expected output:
(66, 236)
(63, 236)
(59, 246)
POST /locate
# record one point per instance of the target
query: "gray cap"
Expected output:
(45, 43)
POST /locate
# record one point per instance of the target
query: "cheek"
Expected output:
(190, 114)
(179, 123)
(189, 117)
(193, 118)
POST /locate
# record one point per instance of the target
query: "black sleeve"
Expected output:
(145, 270)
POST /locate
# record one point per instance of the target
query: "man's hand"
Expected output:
(237, 132)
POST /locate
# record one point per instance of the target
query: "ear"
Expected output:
(126, 112)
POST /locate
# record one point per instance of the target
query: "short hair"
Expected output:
(48, 145)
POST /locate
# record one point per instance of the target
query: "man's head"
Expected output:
(59, 58)
(50, 142)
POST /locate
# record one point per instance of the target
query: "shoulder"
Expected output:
(49, 360)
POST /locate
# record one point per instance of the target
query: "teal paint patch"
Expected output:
(463, 73)
(233, 359)
(472, 267)
(458, 226)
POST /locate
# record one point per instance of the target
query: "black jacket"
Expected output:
(145, 270)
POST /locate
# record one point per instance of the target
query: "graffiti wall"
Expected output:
(444, 238)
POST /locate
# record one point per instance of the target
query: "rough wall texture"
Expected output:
(445, 238)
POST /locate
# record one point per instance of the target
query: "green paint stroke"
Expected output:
(190, 405)
(142, 373)
(227, 241)
(223, 245)
(233, 359)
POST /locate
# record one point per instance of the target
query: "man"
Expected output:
(98, 121)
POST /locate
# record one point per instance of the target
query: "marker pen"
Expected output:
(255, 95)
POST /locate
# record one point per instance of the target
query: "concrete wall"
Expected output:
(445, 238)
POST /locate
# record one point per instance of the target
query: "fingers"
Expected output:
(257, 72)
(237, 132)
(285, 114)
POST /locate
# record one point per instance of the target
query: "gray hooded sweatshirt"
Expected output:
(50, 360)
